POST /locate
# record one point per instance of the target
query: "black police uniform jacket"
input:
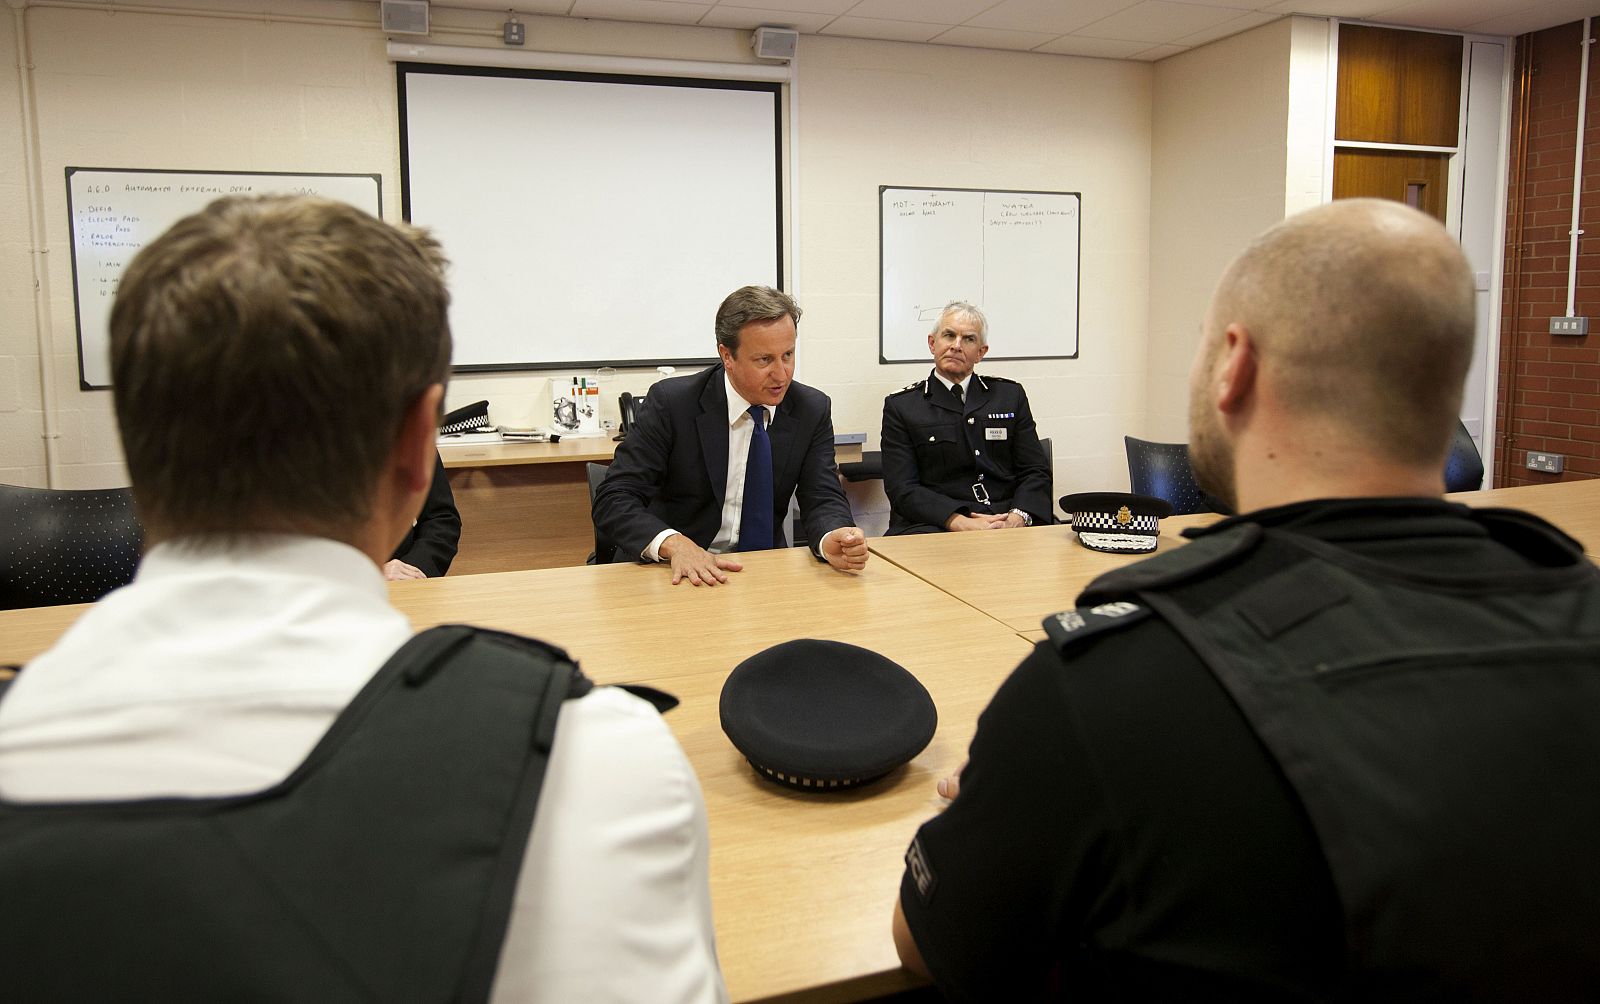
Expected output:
(935, 449)
(672, 470)
(1335, 750)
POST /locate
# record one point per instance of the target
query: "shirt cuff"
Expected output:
(653, 552)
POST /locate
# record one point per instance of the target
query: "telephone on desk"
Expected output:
(628, 406)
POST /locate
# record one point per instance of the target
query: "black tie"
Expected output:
(956, 390)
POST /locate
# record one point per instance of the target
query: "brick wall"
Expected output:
(1549, 392)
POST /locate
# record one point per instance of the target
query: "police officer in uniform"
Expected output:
(1341, 746)
(961, 451)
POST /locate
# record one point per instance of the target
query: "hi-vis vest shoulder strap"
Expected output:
(381, 869)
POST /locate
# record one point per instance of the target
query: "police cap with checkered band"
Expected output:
(824, 715)
(1116, 521)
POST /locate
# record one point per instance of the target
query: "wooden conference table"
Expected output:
(803, 885)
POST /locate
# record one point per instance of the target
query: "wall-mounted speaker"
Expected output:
(405, 17)
(775, 43)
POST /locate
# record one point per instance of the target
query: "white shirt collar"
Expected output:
(266, 552)
(951, 383)
(739, 408)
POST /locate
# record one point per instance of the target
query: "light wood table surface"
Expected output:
(1019, 576)
(803, 885)
(1574, 506)
(526, 505)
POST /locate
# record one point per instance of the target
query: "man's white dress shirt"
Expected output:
(217, 670)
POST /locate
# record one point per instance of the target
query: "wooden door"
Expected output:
(1417, 179)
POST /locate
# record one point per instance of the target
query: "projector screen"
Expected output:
(591, 220)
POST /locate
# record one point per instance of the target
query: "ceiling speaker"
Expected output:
(405, 17)
(775, 43)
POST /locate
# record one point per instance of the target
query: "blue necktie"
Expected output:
(755, 517)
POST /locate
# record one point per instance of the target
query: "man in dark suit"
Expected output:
(701, 475)
(430, 544)
(960, 451)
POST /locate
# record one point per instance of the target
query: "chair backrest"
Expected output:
(1463, 468)
(65, 546)
(1162, 470)
(868, 468)
(604, 550)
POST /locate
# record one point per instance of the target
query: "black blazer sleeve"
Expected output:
(621, 509)
(823, 505)
(431, 544)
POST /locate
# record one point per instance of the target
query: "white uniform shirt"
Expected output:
(217, 671)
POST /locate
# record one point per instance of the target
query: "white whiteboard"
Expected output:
(113, 213)
(590, 220)
(1013, 254)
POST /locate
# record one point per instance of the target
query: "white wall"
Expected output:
(1237, 143)
(159, 90)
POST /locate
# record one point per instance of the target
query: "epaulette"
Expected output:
(991, 378)
(1069, 627)
(910, 386)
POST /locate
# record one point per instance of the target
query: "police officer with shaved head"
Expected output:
(1341, 746)
(961, 451)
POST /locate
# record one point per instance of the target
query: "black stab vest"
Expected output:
(1442, 734)
(382, 869)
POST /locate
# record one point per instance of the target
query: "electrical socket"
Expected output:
(513, 32)
(1569, 325)
(1549, 463)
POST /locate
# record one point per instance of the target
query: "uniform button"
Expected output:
(977, 453)
(971, 420)
(930, 439)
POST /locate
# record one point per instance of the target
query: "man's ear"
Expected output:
(1236, 371)
(983, 350)
(419, 434)
(725, 355)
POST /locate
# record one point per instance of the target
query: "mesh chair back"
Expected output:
(1463, 468)
(1162, 470)
(65, 546)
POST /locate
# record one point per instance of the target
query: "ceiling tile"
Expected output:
(1160, 52)
(993, 38)
(1450, 14)
(661, 11)
(1047, 15)
(1331, 8)
(1102, 48)
(933, 11)
(1158, 21)
(894, 31)
(1244, 22)
(796, 6)
(1546, 15)
(522, 6)
(723, 16)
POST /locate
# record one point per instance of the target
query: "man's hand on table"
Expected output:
(692, 562)
(960, 521)
(845, 549)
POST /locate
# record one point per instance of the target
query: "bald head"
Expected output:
(1362, 314)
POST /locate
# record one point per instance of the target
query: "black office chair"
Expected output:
(1162, 470)
(604, 552)
(1463, 468)
(65, 546)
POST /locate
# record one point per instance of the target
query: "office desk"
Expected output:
(803, 885)
(526, 505)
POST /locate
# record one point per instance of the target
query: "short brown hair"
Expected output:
(749, 304)
(263, 352)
